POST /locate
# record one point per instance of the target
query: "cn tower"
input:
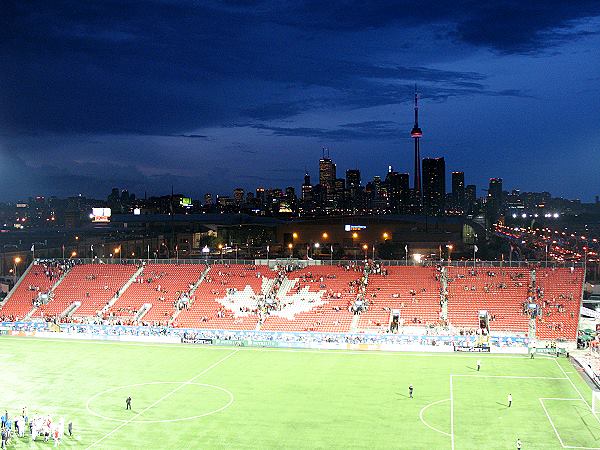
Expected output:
(416, 134)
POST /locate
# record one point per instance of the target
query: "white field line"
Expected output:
(167, 395)
(578, 391)
(509, 376)
(552, 423)
(585, 448)
(286, 350)
(451, 413)
(423, 420)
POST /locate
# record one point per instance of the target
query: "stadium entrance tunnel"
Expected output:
(160, 402)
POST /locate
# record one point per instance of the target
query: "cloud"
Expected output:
(507, 26)
(191, 136)
(374, 129)
(165, 88)
(166, 67)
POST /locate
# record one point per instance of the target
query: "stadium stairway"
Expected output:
(123, 289)
(145, 309)
(35, 308)
(354, 324)
(192, 294)
(17, 284)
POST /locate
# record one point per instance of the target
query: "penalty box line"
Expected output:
(487, 376)
(508, 376)
(554, 427)
(167, 395)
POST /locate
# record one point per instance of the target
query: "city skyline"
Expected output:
(245, 94)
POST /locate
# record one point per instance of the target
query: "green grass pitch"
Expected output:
(228, 398)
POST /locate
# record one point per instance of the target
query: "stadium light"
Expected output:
(417, 257)
(17, 261)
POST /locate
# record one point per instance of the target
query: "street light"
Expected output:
(385, 236)
(291, 247)
(365, 248)
(73, 254)
(316, 245)
(220, 246)
(295, 235)
(325, 235)
(449, 247)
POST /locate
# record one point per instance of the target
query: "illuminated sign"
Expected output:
(101, 215)
(185, 202)
(137, 211)
(354, 227)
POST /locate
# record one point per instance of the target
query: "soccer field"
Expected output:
(188, 396)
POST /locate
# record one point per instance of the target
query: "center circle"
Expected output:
(159, 402)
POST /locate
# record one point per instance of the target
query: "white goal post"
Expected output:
(595, 402)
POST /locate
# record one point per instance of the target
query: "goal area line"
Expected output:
(542, 399)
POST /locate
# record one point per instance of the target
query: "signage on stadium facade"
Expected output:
(101, 215)
(354, 227)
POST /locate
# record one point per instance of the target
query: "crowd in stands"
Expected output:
(316, 296)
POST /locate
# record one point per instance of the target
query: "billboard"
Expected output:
(354, 227)
(101, 215)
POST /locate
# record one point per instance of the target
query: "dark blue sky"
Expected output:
(214, 95)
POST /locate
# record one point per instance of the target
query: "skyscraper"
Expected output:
(327, 177)
(494, 200)
(416, 133)
(327, 173)
(434, 186)
(352, 178)
(470, 198)
(398, 189)
(238, 195)
(307, 188)
(458, 190)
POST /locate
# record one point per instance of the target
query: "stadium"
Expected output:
(291, 353)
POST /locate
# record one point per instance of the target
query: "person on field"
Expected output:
(410, 391)
(478, 365)
(509, 400)
(128, 403)
(518, 444)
